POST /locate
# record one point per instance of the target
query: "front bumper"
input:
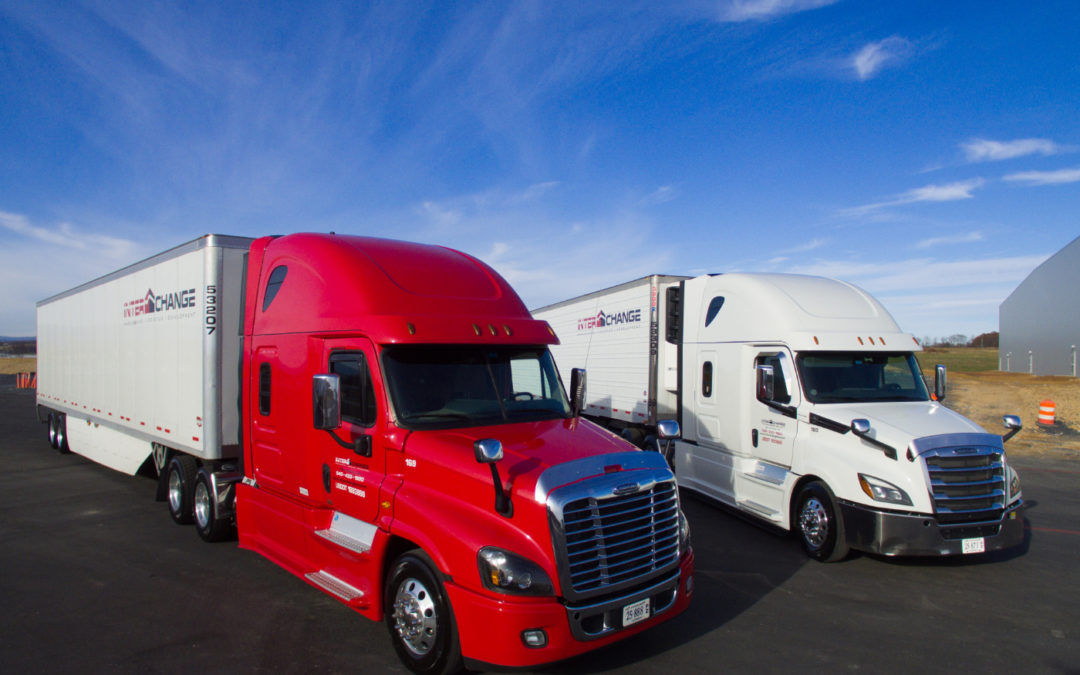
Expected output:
(893, 533)
(490, 629)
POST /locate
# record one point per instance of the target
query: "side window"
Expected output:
(706, 379)
(714, 308)
(357, 390)
(781, 372)
(264, 388)
(273, 285)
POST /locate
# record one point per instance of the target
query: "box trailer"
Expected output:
(801, 404)
(385, 421)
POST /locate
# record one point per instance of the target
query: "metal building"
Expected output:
(1039, 323)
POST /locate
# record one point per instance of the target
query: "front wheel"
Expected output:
(419, 617)
(821, 531)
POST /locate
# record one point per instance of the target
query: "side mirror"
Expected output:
(326, 402)
(668, 431)
(1013, 424)
(488, 451)
(766, 383)
(577, 390)
(860, 426)
(939, 382)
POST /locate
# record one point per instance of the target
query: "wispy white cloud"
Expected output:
(876, 56)
(928, 193)
(1059, 177)
(968, 238)
(67, 236)
(928, 296)
(985, 150)
(736, 11)
(661, 195)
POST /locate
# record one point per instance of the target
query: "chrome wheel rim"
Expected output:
(414, 617)
(202, 504)
(814, 523)
(176, 492)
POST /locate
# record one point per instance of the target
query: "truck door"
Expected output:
(351, 476)
(773, 427)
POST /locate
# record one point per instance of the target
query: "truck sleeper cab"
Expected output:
(404, 443)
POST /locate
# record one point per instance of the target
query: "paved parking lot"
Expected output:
(94, 576)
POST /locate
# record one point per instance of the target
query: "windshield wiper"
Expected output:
(441, 415)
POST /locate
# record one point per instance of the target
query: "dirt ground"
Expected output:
(19, 364)
(986, 396)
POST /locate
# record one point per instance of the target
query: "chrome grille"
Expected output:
(967, 484)
(617, 534)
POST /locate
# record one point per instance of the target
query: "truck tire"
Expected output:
(180, 481)
(419, 616)
(61, 434)
(210, 526)
(819, 527)
(52, 432)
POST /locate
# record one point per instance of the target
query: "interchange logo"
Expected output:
(152, 303)
(605, 320)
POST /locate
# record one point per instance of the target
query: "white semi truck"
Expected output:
(800, 403)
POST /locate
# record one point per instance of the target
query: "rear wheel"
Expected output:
(210, 525)
(821, 531)
(419, 617)
(52, 432)
(181, 482)
(61, 434)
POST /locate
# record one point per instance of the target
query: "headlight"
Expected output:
(1014, 484)
(505, 572)
(883, 491)
(684, 532)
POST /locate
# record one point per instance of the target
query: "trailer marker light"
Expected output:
(492, 329)
(507, 330)
(816, 340)
(860, 341)
(476, 329)
(412, 328)
(881, 340)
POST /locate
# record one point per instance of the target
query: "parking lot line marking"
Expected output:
(1052, 529)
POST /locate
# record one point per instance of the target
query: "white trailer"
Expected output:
(800, 403)
(146, 358)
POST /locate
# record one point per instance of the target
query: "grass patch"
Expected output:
(958, 359)
(18, 364)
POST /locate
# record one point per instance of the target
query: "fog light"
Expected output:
(534, 639)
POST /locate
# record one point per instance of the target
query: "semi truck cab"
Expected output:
(803, 405)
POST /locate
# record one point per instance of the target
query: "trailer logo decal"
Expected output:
(605, 320)
(152, 303)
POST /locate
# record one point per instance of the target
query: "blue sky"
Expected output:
(926, 151)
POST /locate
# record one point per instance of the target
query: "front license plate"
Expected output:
(974, 545)
(639, 611)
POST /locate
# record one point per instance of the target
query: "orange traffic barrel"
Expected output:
(1046, 412)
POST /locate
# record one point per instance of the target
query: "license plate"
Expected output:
(639, 611)
(974, 545)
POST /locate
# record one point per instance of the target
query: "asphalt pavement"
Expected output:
(94, 577)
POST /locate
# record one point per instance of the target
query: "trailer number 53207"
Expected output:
(210, 316)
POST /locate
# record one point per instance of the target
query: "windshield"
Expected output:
(849, 377)
(442, 387)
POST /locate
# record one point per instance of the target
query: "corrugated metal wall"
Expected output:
(1039, 323)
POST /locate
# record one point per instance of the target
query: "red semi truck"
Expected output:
(382, 419)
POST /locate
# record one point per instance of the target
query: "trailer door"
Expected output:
(351, 477)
